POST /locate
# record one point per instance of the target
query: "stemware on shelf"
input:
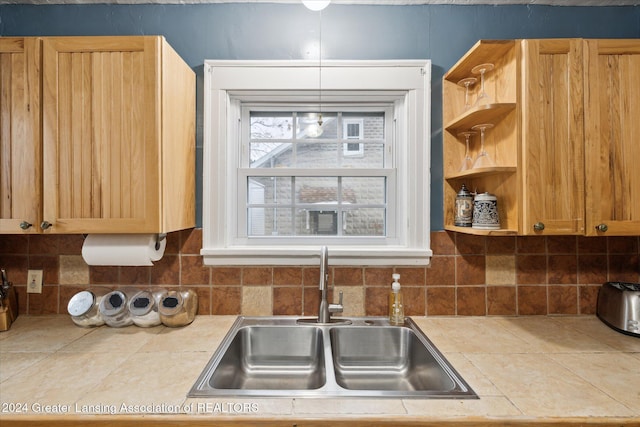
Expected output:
(467, 162)
(483, 97)
(483, 160)
(467, 83)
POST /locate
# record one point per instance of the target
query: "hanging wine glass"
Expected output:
(467, 162)
(482, 69)
(483, 160)
(467, 83)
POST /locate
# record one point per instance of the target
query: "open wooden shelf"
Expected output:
(483, 51)
(478, 232)
(489, 113)
(474, 173)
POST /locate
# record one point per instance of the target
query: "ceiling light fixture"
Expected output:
(316, 5)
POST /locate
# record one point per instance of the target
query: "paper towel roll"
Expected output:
(122, 249)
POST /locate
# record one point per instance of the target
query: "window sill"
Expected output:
(305, 255)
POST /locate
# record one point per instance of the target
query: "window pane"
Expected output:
(373, 124)
(308, 126)
(363, 222)
(317, 155)
(363, 155)
(317, 222)
(364, 191)
(311, 190)
(270, 154)
(269, 190)
(267, 125)
(269, 222)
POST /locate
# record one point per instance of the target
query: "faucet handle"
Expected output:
(337, 308)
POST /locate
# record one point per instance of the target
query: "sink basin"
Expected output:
(272, 357)
(386, 358)
(349, 357)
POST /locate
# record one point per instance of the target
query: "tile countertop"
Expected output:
(544, 370)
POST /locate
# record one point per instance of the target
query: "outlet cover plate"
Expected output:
(34, 282)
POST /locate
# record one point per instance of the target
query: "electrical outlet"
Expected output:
(34, 281)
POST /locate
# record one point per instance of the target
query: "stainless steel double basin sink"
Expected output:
(349, 357)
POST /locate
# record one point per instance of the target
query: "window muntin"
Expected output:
(342, 199)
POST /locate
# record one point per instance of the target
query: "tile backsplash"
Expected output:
(469, 275)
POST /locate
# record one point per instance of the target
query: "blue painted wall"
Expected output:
(284, 31)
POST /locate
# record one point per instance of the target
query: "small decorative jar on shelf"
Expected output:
(485, 212)
(464, 208)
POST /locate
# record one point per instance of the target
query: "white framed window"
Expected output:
(285, 174)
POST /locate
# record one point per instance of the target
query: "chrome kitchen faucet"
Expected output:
(325, 309)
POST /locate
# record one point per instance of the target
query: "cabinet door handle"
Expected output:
(602, 227)
(45, 224)
(25, 225)
(538, 226)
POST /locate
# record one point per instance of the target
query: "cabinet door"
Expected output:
(20, 135)
(100, 134)
(552, 137)
(612, 132)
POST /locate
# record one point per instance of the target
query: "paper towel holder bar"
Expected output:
(159, 238)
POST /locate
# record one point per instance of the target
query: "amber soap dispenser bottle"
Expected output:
(396, 307)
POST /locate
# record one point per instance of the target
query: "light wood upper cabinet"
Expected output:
(552, 137)
(612, 136)
(564, 154)
(20, 135)
(118, 136)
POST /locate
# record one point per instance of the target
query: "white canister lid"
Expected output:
(81, 303)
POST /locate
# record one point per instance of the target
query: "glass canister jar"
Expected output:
(83, 307)
(114, 307)
(178, 308)
(144, 308)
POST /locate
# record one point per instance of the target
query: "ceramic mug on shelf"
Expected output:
(485, 212)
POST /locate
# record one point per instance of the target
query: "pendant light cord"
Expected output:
(320, 73)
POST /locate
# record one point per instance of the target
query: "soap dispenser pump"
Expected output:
(396, 307)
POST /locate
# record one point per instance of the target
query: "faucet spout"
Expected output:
(324, 268)
(325, 308)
